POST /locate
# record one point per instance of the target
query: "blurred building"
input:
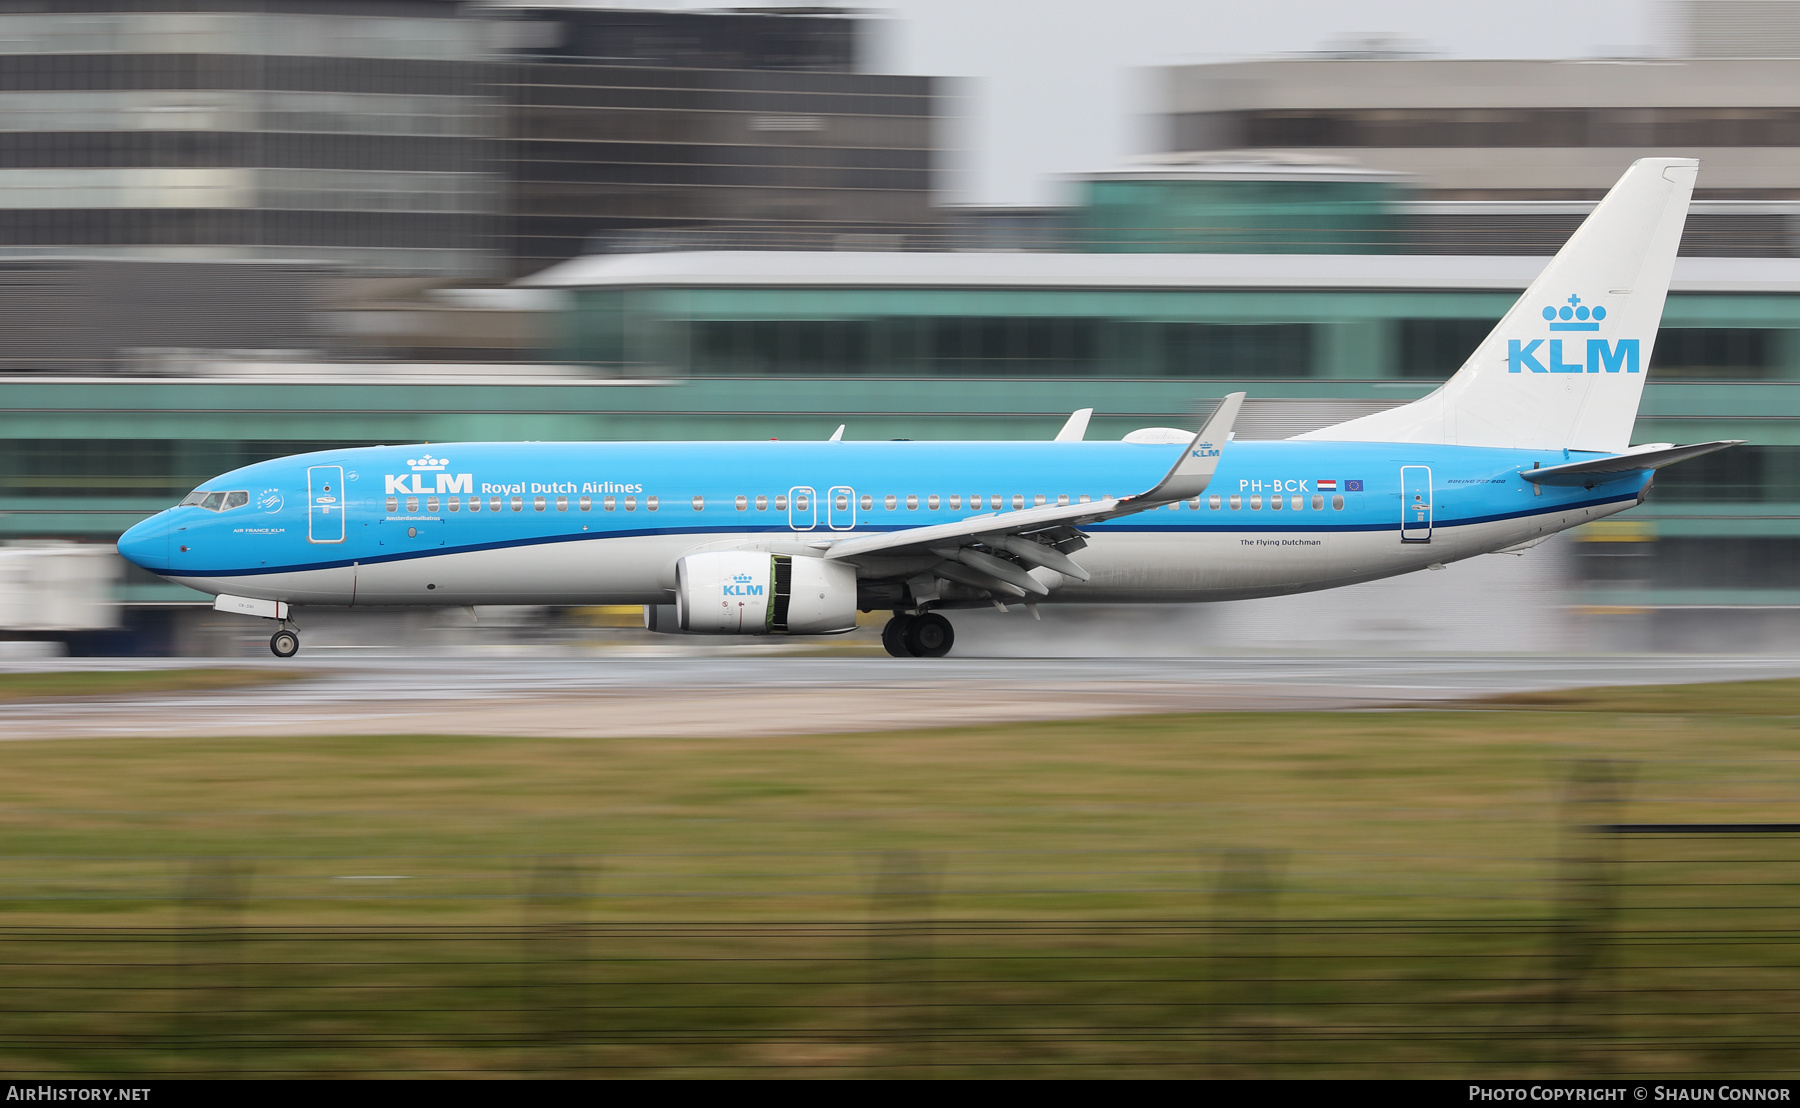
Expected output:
(1507, 157)
(354, 135)
(666, 130)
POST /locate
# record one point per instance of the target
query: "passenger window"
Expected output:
(1318, 503)
(801, 503)
(192, 498)
(699, 503)
(975, 502)
(1236, 502)
(537, 503)
(456, 503)
(741, 503)
(1194, 504)
(1062, 501)
(1039, 501)
(587, 503)
(1213, 503)
(412, 505)
(493, 503)
(474, 503)
(955, 501)
(518, 503)
(1298, 503)
(631, 503)
(213, 502)
(1083, 499)
(912, 503)
(562, 503)
(1275, 503)
(762, 503)
(1018, 502)
(609, 503)
(1256, 503)
(890, 502)
(393, 504)
(650, 503)
(431, 504)
(868, 502)
(1337, 503)
(781, 503)
(843, 502)
(931, 502)
(236, 499)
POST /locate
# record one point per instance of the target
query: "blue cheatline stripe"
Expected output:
(1114, 527)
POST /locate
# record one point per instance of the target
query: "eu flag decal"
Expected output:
(1352, 486)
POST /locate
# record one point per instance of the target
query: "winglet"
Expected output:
(1194, 470)
(837, 435)
(1076, 428)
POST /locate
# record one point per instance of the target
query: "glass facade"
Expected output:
(608, 157)
(360, 136)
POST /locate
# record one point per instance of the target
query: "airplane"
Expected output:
(1530, 437)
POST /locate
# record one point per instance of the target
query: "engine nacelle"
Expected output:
(748, 592)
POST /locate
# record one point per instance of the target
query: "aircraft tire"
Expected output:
(930, 636)
(893, 636)
(284, 643)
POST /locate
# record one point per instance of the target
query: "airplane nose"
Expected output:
(147, 544)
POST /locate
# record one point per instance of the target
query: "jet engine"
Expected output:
(751, 592)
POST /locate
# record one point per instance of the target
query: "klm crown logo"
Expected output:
(1575, 316)
(1601, 356)
(428, 464)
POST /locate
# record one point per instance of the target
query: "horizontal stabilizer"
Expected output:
(1613, 467)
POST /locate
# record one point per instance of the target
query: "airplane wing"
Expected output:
(1613, 467)
(1043, 537)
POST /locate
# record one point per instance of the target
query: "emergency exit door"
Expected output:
(1415, 503)
(325, 504)
(803, 508)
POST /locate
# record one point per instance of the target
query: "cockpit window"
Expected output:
(213, 502)
(192, 498)
(236, 499)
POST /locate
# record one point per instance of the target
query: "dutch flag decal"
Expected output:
(1327, 486)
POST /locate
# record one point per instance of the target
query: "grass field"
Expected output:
(1230, 893)
(31, 686)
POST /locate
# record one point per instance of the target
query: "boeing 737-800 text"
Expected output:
(1530, 437)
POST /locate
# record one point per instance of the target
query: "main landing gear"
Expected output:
(284, 643)
(926, 636)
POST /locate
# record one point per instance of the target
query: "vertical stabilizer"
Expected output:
(1566, 366)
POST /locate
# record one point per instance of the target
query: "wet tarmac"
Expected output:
(721, 695)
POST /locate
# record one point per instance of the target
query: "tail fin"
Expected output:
(1566, 367)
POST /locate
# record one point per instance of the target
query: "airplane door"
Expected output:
(841, 507)
(325, 504)
(803, 509)
(1415, 504)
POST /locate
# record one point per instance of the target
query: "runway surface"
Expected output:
(561, 694)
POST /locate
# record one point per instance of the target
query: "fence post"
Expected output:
(556, 994)
(1245, 958)
(901, 939)
(214, 1000)
(1586, 907)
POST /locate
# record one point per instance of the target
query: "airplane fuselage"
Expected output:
(605, 523)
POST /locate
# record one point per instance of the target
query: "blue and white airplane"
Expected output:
(1530, 437)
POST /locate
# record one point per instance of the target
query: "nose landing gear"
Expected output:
(284, 643)
(926, 636)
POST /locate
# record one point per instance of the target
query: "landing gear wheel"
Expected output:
(930, 636)
(893, 636)
(284, 643)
